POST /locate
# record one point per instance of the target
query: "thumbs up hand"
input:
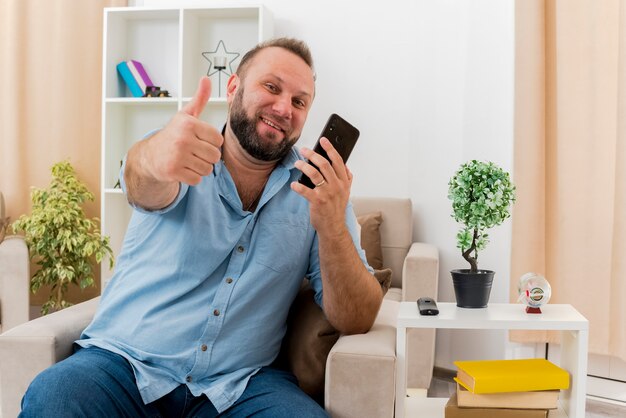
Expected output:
(187, 148)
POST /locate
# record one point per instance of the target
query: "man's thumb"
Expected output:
(199, 100)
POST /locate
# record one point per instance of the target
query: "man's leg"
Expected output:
(90, 383)
(271, 393)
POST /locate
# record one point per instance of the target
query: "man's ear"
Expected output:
(232, 86)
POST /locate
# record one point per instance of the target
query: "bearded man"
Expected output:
(221, 237)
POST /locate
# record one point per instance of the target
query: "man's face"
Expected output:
(269, 105)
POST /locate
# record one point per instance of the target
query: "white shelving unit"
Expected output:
(169, 42)
(574, 342)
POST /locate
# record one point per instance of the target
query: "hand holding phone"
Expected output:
(342, 135)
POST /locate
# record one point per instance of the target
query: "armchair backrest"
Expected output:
(396, 230)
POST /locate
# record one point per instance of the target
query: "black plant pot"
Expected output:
(472, 290)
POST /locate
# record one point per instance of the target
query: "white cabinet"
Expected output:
(170, 44)
(574, 342)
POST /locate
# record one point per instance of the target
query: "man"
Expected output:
(215, 253)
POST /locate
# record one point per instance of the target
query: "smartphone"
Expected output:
(427, 306)
(342, 135)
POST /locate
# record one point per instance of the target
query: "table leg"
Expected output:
(574, 359)
(400, 371)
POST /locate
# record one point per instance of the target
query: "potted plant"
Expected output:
(60, 238)
(481, 194)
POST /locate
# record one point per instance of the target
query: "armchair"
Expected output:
(360, 369)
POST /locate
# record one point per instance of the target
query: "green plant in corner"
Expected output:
(60, 238)
(482, 194)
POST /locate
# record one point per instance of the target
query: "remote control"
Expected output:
(427, 306)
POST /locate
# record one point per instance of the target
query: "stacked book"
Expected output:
(527, 388)
(135, 77)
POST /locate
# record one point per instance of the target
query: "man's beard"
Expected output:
(244, 129)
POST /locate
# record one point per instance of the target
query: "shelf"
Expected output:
(434, 408)
(212, 100)
(140, 101)
(127, 122)
(203, 29)
(496, 316)
(169, 42)
(150, 36)
(574, 345)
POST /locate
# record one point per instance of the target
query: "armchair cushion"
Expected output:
(370, 238)
(384, 279)
(307, 343)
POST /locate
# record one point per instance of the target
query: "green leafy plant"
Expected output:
(60, 238)
(481, 194)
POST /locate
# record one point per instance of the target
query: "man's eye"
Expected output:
(271, 87)
(299, 103)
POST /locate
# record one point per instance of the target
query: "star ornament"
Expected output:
(220, 59)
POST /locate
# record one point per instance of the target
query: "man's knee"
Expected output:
(92, 382)
(53, 386)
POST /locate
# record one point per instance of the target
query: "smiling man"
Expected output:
(221, 236)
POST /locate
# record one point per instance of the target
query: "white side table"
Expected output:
(574, 340)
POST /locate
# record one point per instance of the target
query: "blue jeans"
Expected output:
(98, 383)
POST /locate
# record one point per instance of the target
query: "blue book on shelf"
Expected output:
(130, 81)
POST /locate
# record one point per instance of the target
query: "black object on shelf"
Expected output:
(155, 91)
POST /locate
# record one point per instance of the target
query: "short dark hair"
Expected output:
(296, 46)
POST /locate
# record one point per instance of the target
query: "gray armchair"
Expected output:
(360, 369)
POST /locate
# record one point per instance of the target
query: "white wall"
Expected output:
(430, 85)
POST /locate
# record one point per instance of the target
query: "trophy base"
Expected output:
(532, 310)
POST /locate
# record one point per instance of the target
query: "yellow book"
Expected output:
(495, 376)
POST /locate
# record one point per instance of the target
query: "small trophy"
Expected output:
(534, 291)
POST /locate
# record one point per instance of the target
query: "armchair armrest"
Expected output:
(361, 370)
(420, 277)
(420, 272)
(28, 349)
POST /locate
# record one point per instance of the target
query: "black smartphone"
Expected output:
(342, 135)
(427, 306)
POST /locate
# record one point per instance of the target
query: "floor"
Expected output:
(442, 385)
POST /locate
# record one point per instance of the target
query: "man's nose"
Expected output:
(282, 106)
